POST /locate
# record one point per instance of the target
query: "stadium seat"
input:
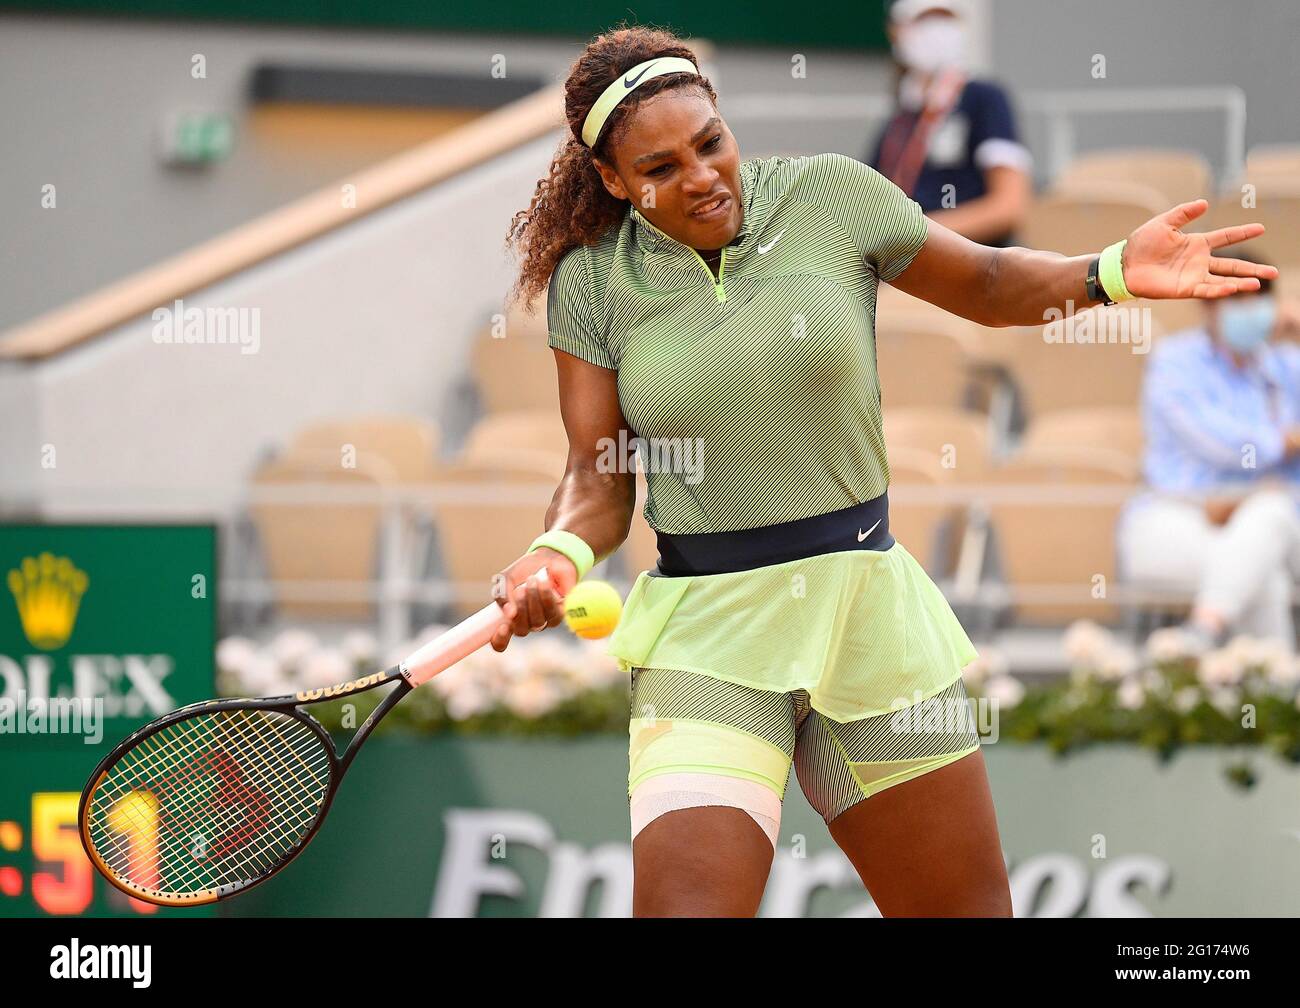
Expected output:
(1118, 428)
(514, 368)
(1078, 222)
(1053, 544)
(292, 534)
(1278, 212)
(485, 517)
(1076, 369)
(927, 526)
(955, 442)
(403, 448)
(924, 360)
(500, 434)
(1175, 176)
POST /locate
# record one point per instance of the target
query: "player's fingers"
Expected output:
(536, 611)
(1239, 268)
(502, 589)
(1225, 288)
(1232, 234)
(552, 604)
(1184, 213)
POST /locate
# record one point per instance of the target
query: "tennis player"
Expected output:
(726, 308)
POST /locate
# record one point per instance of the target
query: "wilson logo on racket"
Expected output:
(342, 688)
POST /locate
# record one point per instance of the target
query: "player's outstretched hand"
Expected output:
(1160, 261)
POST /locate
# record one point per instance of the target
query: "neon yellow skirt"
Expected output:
(864, 632)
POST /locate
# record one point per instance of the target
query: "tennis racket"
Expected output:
(213, 798)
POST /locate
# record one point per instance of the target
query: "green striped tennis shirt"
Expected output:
(761, 383)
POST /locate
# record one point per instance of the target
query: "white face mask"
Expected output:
(931, 44)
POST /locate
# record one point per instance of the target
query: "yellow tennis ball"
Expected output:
(592, 609)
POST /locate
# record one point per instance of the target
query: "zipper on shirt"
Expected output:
(722, 264)
(722, 267)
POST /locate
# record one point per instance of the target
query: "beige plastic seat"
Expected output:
(915, 516)
(486, 515)
(1280, 215)
(499, 434)
(1270, 167)
(1114, 428)
(404, 449)
(1077, 222)
(923, 361)
(1076, 368)
(955, 442)
(1055, 544)
(513, 368)
(1176, 176)
(321, 554)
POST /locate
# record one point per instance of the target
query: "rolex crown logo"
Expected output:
(47, 590)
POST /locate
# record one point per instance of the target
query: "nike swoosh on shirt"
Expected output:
(764, 249)
(863, 535)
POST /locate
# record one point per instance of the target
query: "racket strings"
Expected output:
(179, 781)
(215, 799)
(245, 799)
(239, 824)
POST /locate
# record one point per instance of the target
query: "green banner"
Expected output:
(497, 827)
(773, 22)
(102, 629)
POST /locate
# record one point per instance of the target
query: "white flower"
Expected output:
(1169, 644)
(324, 667)
(467, 701)
(1085, 642)
(1227, 701)
(1130, 694)
(1221, 667)
(234, 654)
(989, 662)
(1117, 661)
(291, 646)
(360, 647)
(262, 676)
(1285, 674)
(1004, 691)
(531, 698)
(1186, 699)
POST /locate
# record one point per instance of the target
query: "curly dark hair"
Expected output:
(571, 206)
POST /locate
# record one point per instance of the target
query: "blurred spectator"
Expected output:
(1221, 410)
(952, 144)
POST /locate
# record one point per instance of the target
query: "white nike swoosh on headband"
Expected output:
(863, 535)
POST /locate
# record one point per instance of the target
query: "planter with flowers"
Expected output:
(547, 685)
(1243, 698)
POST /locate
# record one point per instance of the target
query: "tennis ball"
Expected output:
(592, 609)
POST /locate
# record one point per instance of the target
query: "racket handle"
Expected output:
(452, 645)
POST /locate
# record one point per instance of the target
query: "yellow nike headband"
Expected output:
(624, 85)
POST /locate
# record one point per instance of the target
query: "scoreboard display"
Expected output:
(102, 629)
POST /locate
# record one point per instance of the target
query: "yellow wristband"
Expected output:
(569, 545)
(1111, 272)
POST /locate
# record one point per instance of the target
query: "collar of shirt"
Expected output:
(650, 238)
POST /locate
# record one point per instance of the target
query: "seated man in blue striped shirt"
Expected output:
(1221, 411)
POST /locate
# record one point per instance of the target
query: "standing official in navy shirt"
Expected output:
(952, 145)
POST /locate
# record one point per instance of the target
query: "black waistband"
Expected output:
(864, 526)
